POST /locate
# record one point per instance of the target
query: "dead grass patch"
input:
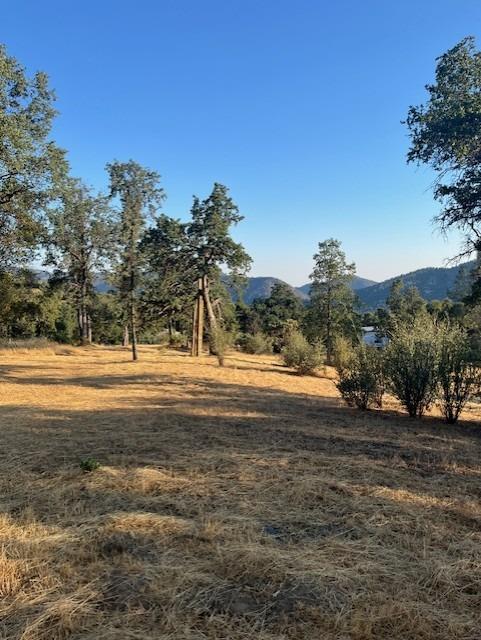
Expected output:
(230, 504)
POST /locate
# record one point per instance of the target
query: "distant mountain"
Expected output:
(356, 284)
(261, 287)
(361, 283)
(432, 283)
(100, 284)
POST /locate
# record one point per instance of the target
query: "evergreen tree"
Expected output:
(212, 246)
(273, 312)
(168, 272)
(140, 195)
(462, 288)
(331, 309)
(403, 305)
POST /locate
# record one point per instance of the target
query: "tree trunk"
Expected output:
(208, 304)
(198, 323)
(83, 314)
(79, 323)
(132, 314)
(170, 329)
(125, 339)
(194, 351)
(89, 329)
(328, 331)
(133, 332)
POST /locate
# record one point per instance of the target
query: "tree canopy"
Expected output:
(446, 135)
(331, 310)
(31, 165)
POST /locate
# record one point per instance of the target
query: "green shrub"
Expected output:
(458, 378)
(219, 342)
(343, 352)
(412, 364)
(89, 464)
(177, 340)
(361, 378)
(256, 343)
(298, 354)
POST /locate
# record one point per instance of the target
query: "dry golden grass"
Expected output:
(235, 503)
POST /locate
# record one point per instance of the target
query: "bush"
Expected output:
(302, 356)
(219, 342)
(26, 344)
(344, 353)
(361, 378)
(177, 340)
(458, 378)
(256, 343)
(89, 464)
(412, 365)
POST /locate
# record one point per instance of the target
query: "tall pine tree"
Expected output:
(140, 196)
(212, 247)
(331, 309)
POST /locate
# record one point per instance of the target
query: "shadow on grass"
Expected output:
(290, 473)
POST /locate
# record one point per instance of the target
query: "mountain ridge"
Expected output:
(433, 283)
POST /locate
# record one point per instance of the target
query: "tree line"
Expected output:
(159, 271)
(167, 277)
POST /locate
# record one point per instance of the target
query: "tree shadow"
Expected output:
(201, 472)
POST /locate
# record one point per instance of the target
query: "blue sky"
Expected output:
(296, 106)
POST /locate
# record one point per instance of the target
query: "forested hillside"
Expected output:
(432, 284)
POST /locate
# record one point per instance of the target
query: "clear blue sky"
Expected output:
(296, 106)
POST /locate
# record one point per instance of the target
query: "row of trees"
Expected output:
(157, 269)
(165, 273)
(332, 309)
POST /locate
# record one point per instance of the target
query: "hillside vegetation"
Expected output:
(230, 503)
(432, 284)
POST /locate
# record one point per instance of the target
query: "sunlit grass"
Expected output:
(231, 503)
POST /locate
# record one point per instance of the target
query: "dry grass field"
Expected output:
(235, 503)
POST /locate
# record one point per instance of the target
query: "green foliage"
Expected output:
(89, 464)
(445, 134)
(361, 378)
(458, 378)
(140, 195)
(403, 306)
(331, 309)
(256, 343)
(275, 311)
(107, 316)
(211, 246)
(302, 356)
(343, 353)
(472, 322)
(168, 271)
(444, 310)
(31, 165)
(463, 284)
(219, 341)
(177, 340)
(209, 234)
(30, 308)
(412, 364)
(79, 240)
